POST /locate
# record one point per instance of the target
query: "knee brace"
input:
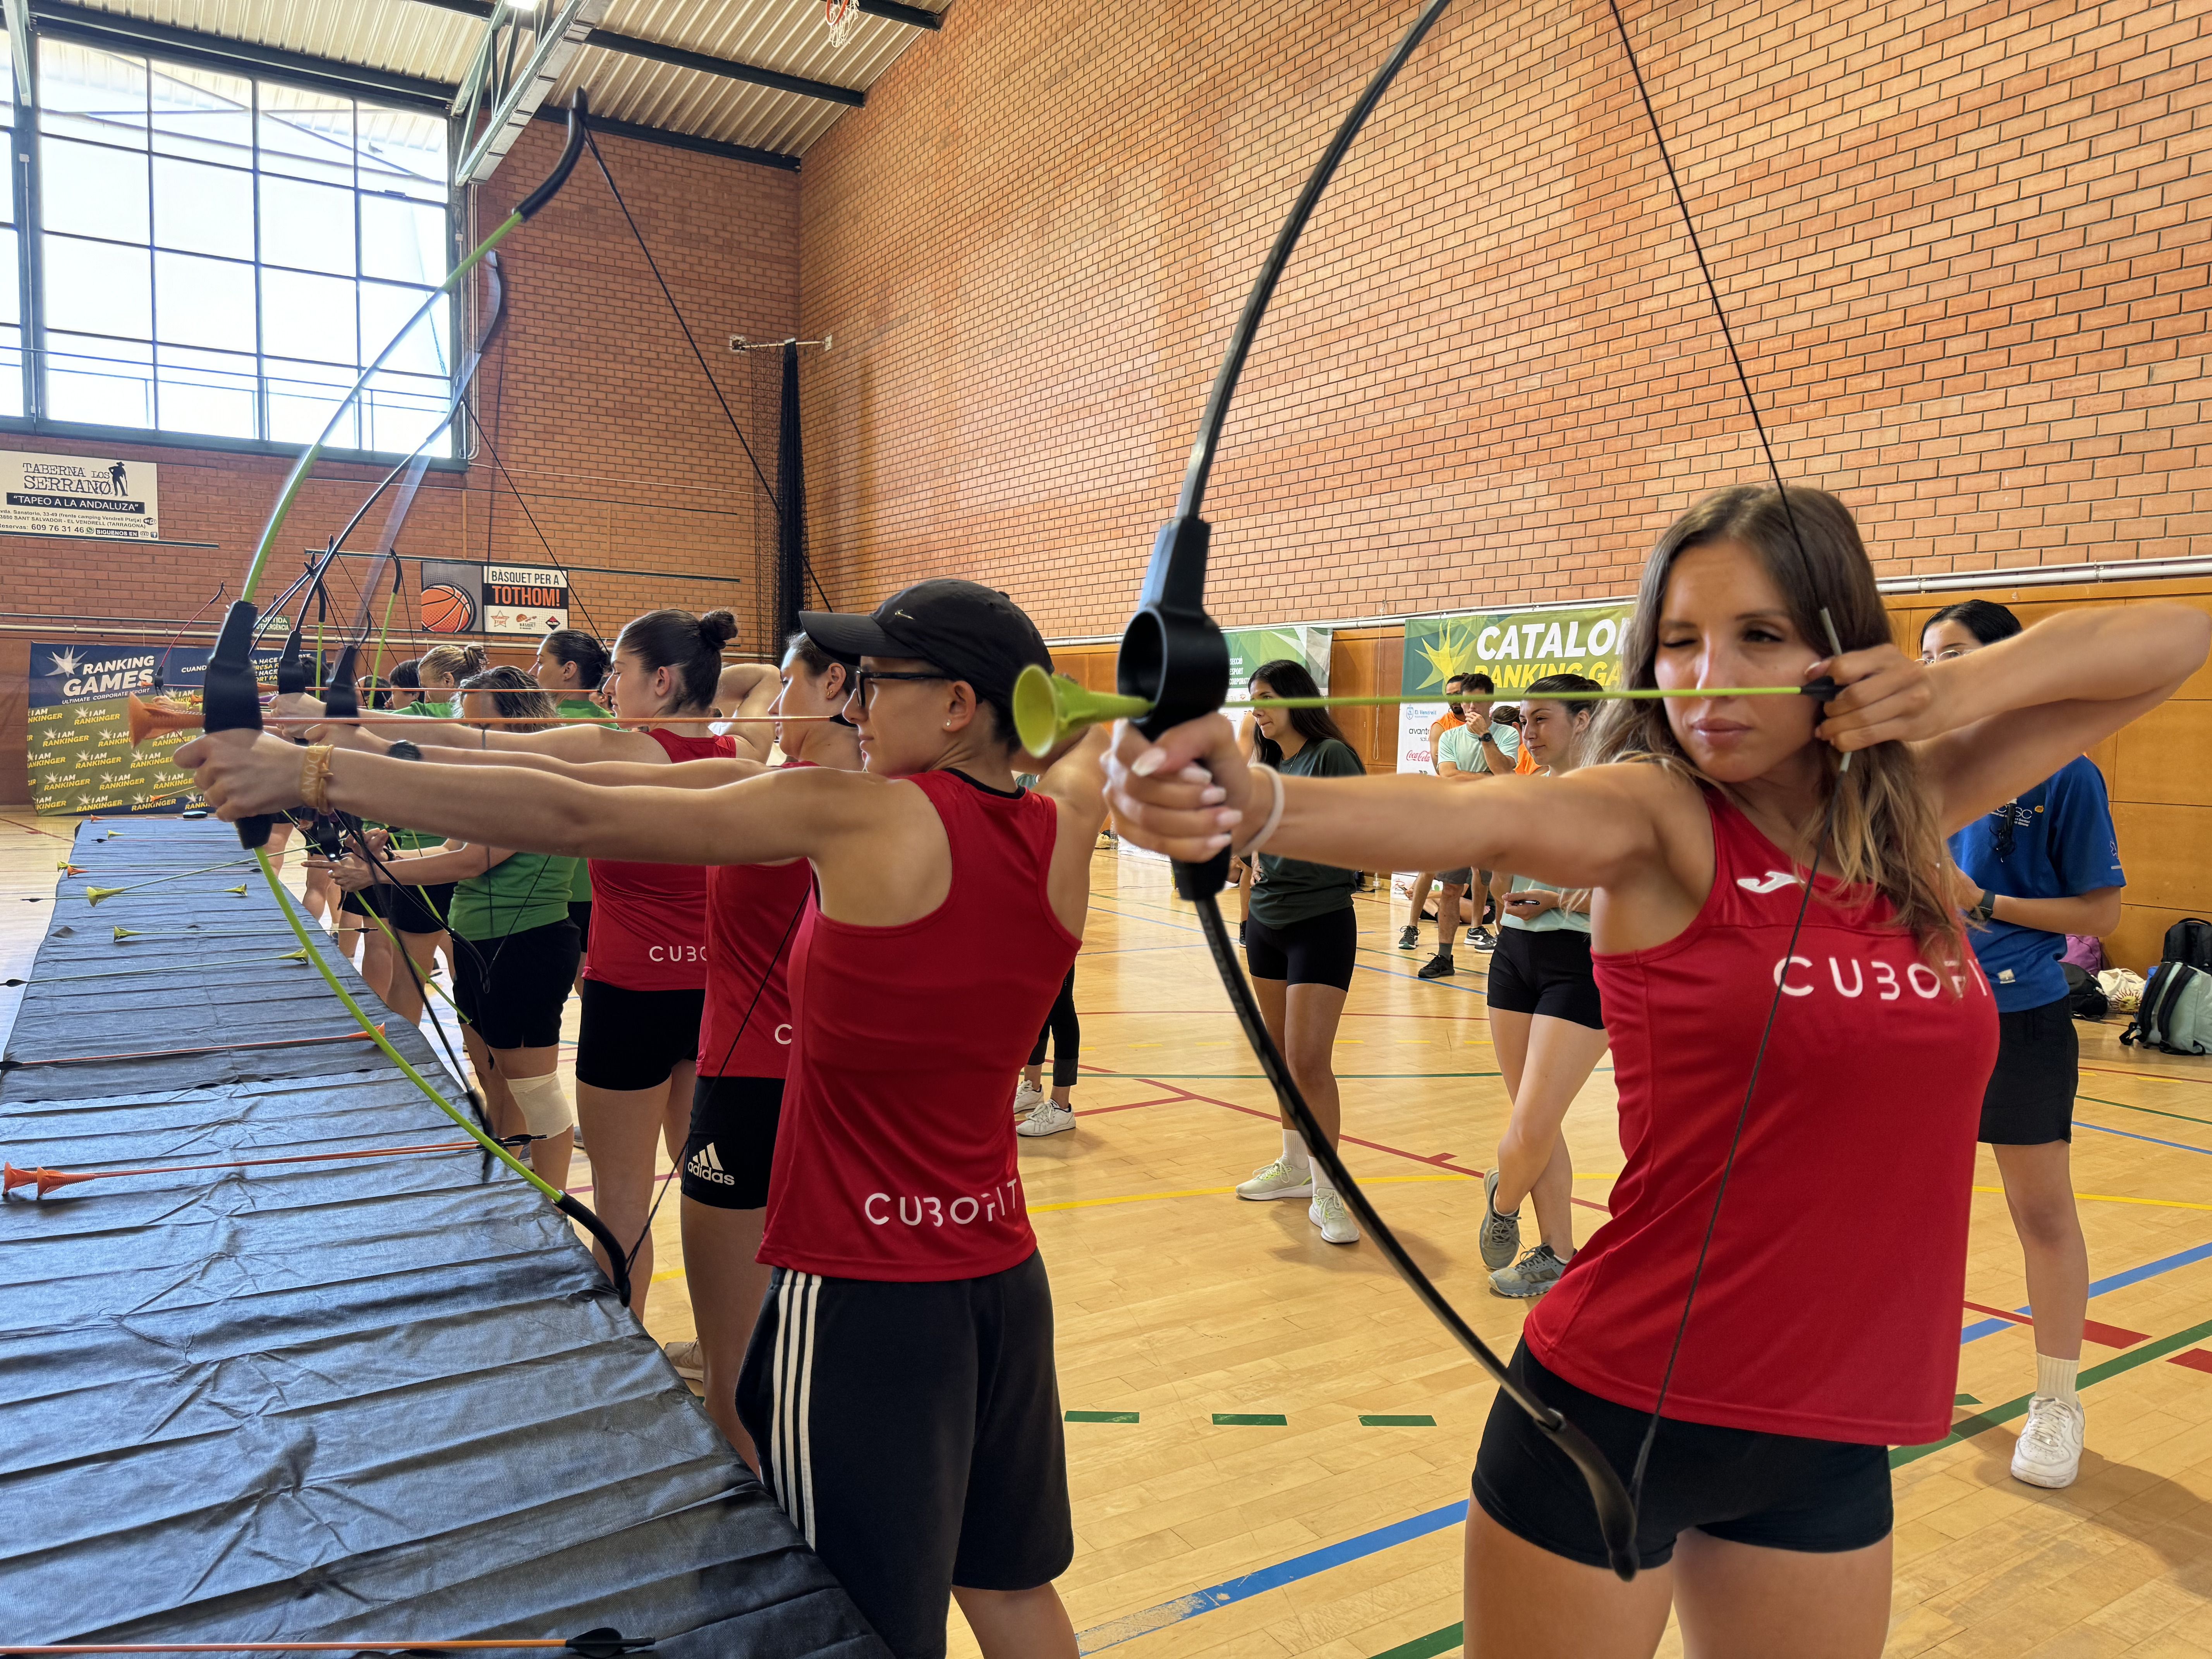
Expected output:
(544, 1103)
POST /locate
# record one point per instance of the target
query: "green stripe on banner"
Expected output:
(1102, 1417)
(1968, 1427)
(1250, 1420)
(1368, 1422)
(1427, 1647)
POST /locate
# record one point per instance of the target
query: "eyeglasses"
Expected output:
(864, 682)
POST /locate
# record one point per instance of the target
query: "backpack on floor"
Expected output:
(2190, 940)
(2084, 996)
(2176, 1016)
(2086, 953)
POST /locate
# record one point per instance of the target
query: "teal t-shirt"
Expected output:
(1469, 753)
(1554, 921)
(1290, 890)
(530, 889)
(580, 881)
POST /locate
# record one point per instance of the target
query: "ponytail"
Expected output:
(691, 647)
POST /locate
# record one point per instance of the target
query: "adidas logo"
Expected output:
(706, 1165)
(1772, 881)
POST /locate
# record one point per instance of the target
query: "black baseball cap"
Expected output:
(973, 633)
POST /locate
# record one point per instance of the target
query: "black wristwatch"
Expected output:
(1486, 735)
(402, 750)
(1985, 907)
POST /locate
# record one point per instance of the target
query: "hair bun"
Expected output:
(718, 629)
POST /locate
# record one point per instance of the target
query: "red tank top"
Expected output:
(895, 1157)
(753, 911)
(648, 920)
(1829, 1306)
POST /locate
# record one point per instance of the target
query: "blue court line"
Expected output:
(1115, 1632)
(2129, 1134)
(2118, 1281)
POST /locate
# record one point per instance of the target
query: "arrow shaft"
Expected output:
(203, 1048)
(297, 1158)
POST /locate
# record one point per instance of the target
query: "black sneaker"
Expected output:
(1479, 938)
(1438, 966)
(1240, 935)
(1409, 939)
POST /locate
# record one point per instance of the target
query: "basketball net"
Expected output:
(844, 17)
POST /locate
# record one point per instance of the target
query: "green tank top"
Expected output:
(580, 881)
(530, 889)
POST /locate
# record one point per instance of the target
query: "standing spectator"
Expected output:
(1478, 747)
(2044, 864)
(1450, 720)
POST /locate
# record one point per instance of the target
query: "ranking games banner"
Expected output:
(1513, 647)
(80, 755)
(78, 496)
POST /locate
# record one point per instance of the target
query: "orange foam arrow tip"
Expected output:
(49, 1179)
(11, 1177)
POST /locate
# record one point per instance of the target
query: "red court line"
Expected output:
(2197, 1359)
(2109, 1336)
(1439, 1161)
(33, 830)
(1164, 1100)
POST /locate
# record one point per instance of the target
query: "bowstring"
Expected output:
(513, 489)
(1835, 790)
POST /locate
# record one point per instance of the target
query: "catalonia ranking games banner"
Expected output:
(81, 759)
(1513, 647)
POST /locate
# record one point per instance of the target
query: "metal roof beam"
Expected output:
(507, 94)
(633, 46)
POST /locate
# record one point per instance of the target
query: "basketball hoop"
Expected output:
(844, 17)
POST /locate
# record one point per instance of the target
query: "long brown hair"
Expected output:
(1288, 678)
(1885, 834)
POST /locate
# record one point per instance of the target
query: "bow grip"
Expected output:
(291, 673)
(342, 696)
(1173, 656)
(232, 700)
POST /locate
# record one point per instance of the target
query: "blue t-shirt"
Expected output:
(2062, 845)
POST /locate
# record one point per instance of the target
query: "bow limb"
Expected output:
(1174, 656)
(618, 1269)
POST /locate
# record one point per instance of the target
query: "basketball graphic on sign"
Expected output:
(447, 609)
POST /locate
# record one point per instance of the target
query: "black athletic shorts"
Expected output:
(580, 912)
(1775, 1491)
(912, 1432)
(512, 990)
(732, 1141)
(636, 1039)
(405, 907)
(2030, 1098)
(1317, 951)
(1546, 972)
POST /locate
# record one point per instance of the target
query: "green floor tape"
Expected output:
(1427, 1647)
(1250, 1420)
(1368, 1422)
(1965, 1400)
(1102, 1417)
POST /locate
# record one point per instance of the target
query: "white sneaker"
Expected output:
(2048, 1452)
(1027, 1095)
(689, 1358)
(1328, 1213)
(1050, 1119)
(1278, 1180)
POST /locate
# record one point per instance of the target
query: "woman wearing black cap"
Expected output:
(901, 1384)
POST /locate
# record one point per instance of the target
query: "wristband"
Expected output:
(1275, 813)
(315, 776)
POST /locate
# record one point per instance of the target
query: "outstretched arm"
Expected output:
(771, 817)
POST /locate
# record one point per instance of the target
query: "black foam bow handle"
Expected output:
(232, 699)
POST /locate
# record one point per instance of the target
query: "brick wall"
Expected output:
(1960, 243)
(592, 400)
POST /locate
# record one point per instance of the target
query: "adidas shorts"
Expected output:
(732, 1141)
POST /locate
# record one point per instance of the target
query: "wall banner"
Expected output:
(524, 599)
(80, 756)
(1248, 647)
(78, 496)
(453, 592)
(1512, 648)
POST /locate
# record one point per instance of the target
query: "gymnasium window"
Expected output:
(222, 255)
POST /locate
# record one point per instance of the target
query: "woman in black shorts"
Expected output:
(1546, 1025)
(516, 951)
(1299, 943)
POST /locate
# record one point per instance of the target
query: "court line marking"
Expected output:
(2125, 1106)
(2097, 1287)
(1115, 1632)
(2129, 1134)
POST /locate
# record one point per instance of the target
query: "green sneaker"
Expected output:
(1499, 1239)
(1535, 1273)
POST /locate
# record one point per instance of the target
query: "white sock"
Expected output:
(2056, 1378)
(1294, 1150)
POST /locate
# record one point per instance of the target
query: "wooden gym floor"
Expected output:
(1269, 1441)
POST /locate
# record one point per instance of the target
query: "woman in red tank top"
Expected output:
(645, 978)
(1826, 1306)
(900, 1385)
